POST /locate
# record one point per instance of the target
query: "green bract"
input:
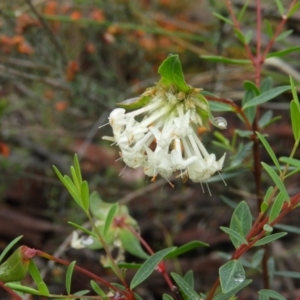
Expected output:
(172, 80)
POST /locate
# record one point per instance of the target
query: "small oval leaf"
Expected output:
(149, 266)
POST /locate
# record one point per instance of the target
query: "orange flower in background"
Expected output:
(17, 40)
(75, 15)
(90, 48)
(4, 149)
(148, 42)
(61, 105)
(72, 70)
(97, 15)
(25, 48)
(50, 7)
(24, 22)
(49, 94)
(115, 29)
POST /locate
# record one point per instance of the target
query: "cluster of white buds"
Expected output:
(161, 134)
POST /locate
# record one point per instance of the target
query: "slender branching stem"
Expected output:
(107, 251)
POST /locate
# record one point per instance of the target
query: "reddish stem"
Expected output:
(89, 274)
(238, 27)
(277, 32)
(14, 295)
(161, 266)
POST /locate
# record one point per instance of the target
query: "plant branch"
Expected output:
(89, 274)
(238, 28)
(49, 32)
(278, 30)
(102, 241)
(235, 107)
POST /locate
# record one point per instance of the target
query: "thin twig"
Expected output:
(47, 80)
(49, 32)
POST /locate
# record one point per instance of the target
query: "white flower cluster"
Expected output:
(161, 137)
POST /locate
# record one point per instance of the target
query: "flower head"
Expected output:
(160, 134)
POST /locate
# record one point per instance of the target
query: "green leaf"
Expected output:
(232, 274)
(77, 169)
(290, 274)
(23, 289)
(248, 36)
(37, 278)
(294, 90)
(257, 258)
(131, 244)
(269, 150)
(149, 266)
(171, 73)
(59, 175)
(289, 228)
(272, 294)
(293, 9)
(15, 267)
(85, 195)
(264, 206)
(222, 138)
(97, 289)
(72, 190)
(189, 278)
(284, 35)
(277, 181)
(226, 296)
(226, 174)
(251, 91)
(270, 238)
(225, 60)
(228, 201)
(276, 207)
(185, 248)
(242, 153)
(241, 222)
(234, 235)
(135, 103)
(131, 266)
(290, 161)
(9, 246)
(240, 36)
(42, 287)
(167, 297)
(266, 84)
(69, 277)
(266, 96)
(81, 293)
(295, 117)
(185, 288)
(224, 19)
(268, 194)
(218, 106)
(35, 273)
(284, 52)
(250, 86)
(75, 180)
(244, 133)
(110, 217)
(280, 7)
(242, 11)
(265, 119)
(83, 229)
(269, 29)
